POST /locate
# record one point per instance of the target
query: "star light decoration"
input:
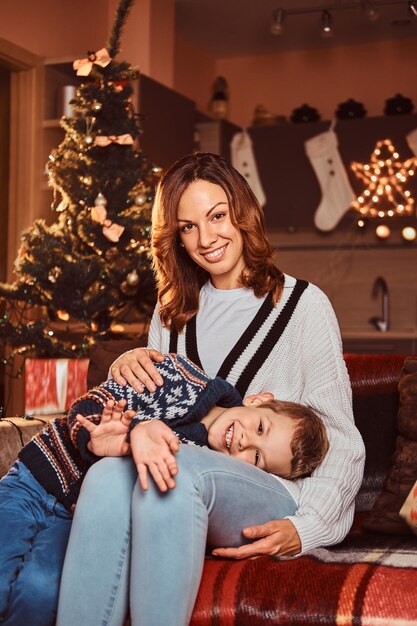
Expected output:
(384, 177)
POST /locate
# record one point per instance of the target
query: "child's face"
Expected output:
(256, 435)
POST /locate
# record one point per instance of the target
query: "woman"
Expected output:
(222, 302)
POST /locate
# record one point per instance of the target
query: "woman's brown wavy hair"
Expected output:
(179, 278)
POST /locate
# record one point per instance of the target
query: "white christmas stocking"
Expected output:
(412, 141)
(337, 194)
(244, 161)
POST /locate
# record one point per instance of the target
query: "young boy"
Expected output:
(41, 489)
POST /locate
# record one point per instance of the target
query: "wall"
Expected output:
(194, 73)
(368, 73)
(54, 27)
(58, 28)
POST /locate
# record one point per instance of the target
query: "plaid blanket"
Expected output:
(368, 580)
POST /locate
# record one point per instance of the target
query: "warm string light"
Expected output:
(384, 177)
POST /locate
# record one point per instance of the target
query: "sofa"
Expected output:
(370, 578)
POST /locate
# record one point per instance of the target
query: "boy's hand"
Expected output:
(153, 448)
(109, 437)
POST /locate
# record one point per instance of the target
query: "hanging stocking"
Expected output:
(337, 194)
(412, 141)
(244, 161)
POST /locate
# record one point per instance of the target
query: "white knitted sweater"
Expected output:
(306, 365)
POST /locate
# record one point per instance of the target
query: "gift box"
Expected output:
(409, 509)
(52, 385)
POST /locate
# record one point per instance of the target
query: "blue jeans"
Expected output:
(159, 542)
(34, 531)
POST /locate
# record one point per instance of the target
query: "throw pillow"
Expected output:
(385, 514)
(104, 353)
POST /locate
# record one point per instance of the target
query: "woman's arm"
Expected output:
(136, 367)
(326, 504)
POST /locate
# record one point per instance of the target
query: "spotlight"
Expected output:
(326, 25)
(412, 5)
(370, 10)
(277, 24)
(409, 233)
(382, 231)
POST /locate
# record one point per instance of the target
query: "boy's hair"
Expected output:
(309, 444)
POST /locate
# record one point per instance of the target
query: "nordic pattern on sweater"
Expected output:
(59, 458)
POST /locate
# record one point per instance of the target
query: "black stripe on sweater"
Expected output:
(262, 315)
(173, 341)
(273, 335)
(191, 341)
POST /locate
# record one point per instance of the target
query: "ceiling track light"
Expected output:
(277, 24)
(412, 5)
(370, 10)
(326, 24)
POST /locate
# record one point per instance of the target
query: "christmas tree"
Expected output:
(92, 265)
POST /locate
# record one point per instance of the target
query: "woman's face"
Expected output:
(208, 234)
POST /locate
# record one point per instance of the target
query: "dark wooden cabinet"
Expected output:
(168, 122)
(291, 186)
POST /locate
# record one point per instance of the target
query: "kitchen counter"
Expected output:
(372, 341)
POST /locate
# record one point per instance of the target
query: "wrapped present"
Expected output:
(52, 385)
(409, 509)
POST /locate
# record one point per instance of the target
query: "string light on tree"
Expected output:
(385, 177)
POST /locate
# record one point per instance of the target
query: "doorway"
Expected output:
(5, 79)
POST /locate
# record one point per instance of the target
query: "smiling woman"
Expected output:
(222, 303)
(208, 235)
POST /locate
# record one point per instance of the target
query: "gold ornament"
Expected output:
(100, 200)
(112, 253)
(132, 278)
(54, 273)
(140, 199)
(128, 290)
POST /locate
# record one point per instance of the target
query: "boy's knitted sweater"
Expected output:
(58, 457)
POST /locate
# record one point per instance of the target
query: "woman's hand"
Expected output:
(153, 447)
(137, 368)
(275, 538)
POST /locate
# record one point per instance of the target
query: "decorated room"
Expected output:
(208, 208)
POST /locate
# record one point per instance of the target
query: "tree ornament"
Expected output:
(97, 106)
(112, 253)
(128, 290)
(84, 66)
(140, 199)
(100, 200)
(89, 124)
(132, 278)
(54, 273)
